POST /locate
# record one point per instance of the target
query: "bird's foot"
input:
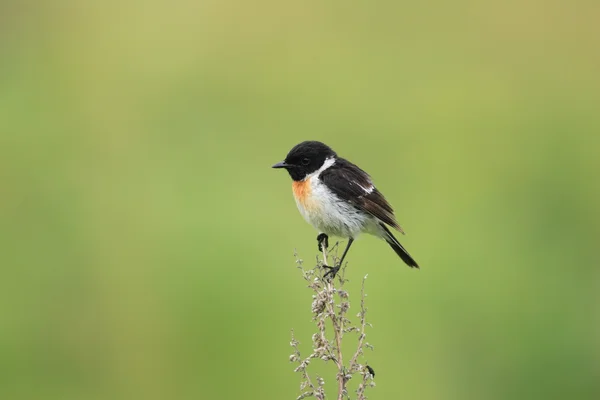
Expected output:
(332, 271)
(322, 241)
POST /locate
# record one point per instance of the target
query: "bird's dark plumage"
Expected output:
(398, 248)
(354, 185)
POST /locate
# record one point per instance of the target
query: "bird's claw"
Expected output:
(332, 271)
(322, 241)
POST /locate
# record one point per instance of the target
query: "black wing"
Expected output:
(354, 185)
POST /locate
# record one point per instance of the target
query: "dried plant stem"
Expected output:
(330, 302)
(305, 376)
(337, 331)
(324, 251)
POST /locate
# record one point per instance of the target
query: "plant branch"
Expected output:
(327, 306)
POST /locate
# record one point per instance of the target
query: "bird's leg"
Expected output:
(350, 241)
(334, 270)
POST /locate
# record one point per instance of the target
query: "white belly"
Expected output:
(333, 216)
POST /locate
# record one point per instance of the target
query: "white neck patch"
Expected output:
(328, 163)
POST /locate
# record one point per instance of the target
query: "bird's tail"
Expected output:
(395, 244)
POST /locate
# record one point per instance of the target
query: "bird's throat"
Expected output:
(302, 191)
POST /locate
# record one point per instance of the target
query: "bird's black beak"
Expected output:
(281, 164)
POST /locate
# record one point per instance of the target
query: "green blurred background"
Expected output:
(147, 246)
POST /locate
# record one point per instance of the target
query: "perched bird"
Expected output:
(339, 199)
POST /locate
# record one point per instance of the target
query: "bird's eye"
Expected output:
(305, 161)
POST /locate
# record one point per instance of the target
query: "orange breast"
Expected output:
(302, 192)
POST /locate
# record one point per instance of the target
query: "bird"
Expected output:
(339, 199)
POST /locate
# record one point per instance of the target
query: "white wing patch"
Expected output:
(367, 190)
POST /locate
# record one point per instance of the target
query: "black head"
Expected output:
(305, 158)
